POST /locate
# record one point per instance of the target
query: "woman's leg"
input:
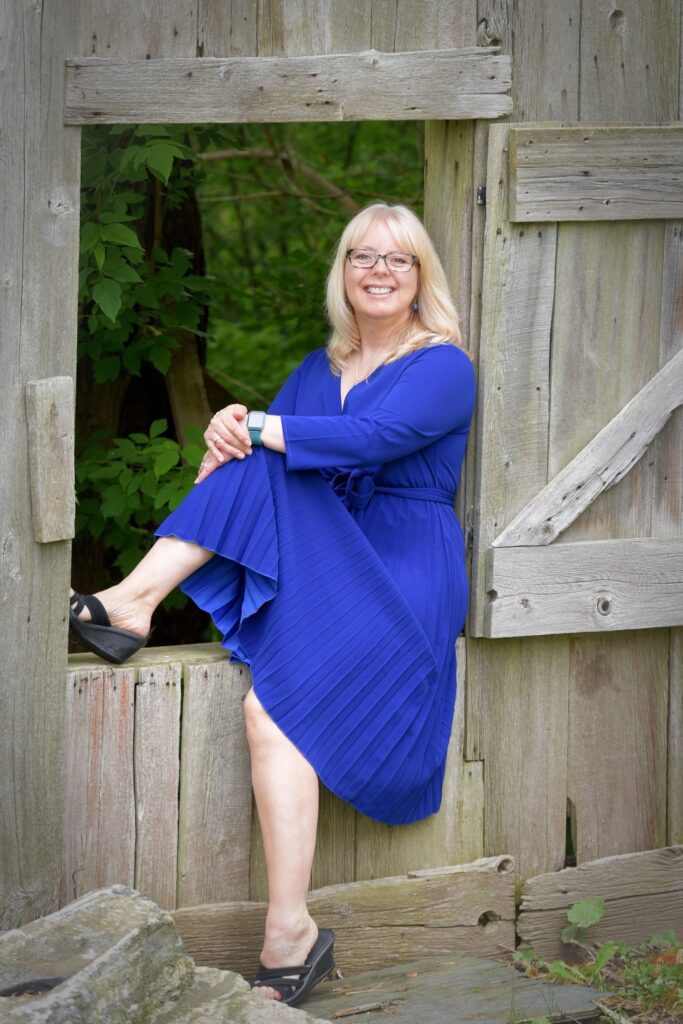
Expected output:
(130, 603)
(286, 791)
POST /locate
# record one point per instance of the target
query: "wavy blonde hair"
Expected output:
(436, 319)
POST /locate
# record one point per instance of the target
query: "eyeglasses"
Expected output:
(366, 259)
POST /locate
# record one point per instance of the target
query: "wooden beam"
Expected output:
(467, 908)
(429, 84)
(606, 173)
(50, 411)
(643, 895)
(588, 586)
(602, 463)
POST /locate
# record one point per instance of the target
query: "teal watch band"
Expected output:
(256, 421)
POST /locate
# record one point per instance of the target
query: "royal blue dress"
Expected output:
(339, 572)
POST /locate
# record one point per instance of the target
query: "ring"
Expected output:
(216, 439)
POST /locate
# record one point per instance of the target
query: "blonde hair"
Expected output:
(434, 322)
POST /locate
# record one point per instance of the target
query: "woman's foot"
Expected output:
(286, 944)
(123, 613)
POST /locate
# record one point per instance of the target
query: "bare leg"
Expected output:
(131, 602)
(286, 791)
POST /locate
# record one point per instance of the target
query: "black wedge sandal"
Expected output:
(293, 983)
(99, 636)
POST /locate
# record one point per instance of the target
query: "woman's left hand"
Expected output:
(207, 466)
(227, 434)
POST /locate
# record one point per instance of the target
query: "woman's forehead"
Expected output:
(378, 234)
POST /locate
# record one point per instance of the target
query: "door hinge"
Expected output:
(481, 195)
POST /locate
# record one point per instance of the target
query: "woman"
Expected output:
(337, 572)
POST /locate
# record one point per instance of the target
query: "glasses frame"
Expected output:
(383, 256)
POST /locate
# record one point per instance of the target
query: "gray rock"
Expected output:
(113, 957)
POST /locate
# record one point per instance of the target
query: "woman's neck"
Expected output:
(376, 338)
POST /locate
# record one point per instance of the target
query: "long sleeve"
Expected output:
(433, 396)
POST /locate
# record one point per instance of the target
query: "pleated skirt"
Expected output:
(338, 657)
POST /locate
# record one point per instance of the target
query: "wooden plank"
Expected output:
(601, 463)
(313, 26)
(50, 411)
(617, 757)
(585, 173)
(674, 814)
(466, 83)
(215, 786)
(587, 586)
(39, 222)
(227, 30)
(99, 813)
(378, 923)
(544, 44)
(628, 53)
(602, 357)
(155, 28)
(152, 656)
(454, 835)
(514, 366)
(423, 25)
(157, 776)
(643, 895)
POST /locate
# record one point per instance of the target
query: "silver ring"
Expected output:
(216, 439)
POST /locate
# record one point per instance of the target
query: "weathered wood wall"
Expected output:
(546, 719)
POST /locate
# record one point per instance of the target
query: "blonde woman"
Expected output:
(322, 539)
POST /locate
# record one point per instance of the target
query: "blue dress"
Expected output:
(339, 572)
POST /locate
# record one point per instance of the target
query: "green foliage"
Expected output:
(134, 298)
(123, 484)
(646, 978)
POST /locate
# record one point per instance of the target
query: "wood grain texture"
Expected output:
(590, 173)
(313, 26)
(514, 366)
(467, 83)
(157, 777)
(610, 277)
(643, 895)
(381, 922)
(227, 28)
(215, 786)
(617, 751)
(674, 815)
(629, 61)
(545, 55)
(39, 221)
(602, 463)
(50, 414)
(98, 796)
(423, 24)
(587, 586)
(155, 28)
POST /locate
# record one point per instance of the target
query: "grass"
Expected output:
(645, 982)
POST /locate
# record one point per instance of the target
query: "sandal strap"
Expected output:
(97, 610)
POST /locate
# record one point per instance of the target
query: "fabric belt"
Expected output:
(356, 488)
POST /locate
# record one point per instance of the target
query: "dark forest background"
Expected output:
(204, 253)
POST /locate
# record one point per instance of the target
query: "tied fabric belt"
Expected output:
(356, 489)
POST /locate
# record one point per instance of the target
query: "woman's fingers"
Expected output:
(227, 435)
(208, 464)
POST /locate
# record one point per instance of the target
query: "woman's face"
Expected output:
(379, 294)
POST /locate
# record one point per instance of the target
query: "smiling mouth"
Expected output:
(377, 290)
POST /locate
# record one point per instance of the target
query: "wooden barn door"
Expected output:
(581, 368)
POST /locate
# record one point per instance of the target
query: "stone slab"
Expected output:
(457, 989)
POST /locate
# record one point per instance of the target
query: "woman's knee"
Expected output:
(257, 719)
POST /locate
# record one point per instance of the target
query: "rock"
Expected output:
(114, 957)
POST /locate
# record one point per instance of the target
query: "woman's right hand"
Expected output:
(227, 435)
(207, 466)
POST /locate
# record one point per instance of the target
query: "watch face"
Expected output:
(256, 420)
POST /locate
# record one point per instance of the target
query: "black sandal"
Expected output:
(319, 964)
(99, 636)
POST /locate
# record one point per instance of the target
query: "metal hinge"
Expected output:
(481, 195)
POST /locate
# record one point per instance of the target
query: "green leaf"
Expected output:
(90, 234)
(131, 360)
(116, 218)
(120, 270)
(587, 912)
(139, 438)
(165, 461)
(165, 493)
(193, 454)
(107, 369)
(568, 933)
(603, 955)
(559, 969)
(114, 505)
(160, 358)
(149, 484)
(160, 161)
(157, 428)
(120, 234)
(107, 295)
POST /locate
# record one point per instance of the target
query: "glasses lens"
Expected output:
(400, 261)
(363, 258)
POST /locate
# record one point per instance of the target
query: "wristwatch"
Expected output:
(256, 421)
